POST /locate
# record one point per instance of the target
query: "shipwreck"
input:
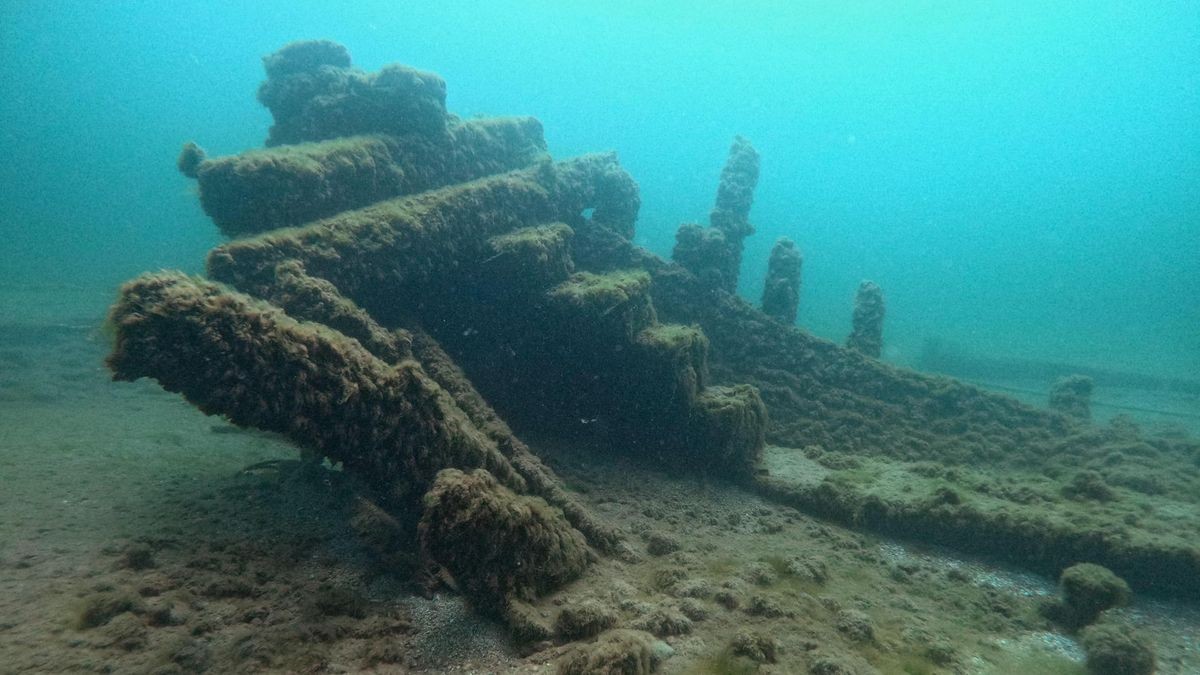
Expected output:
(402, 288)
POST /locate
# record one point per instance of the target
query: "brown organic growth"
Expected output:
(498, 544)
(232, 355)
(399, 272)
(714, 254)
(1072, 396)
(866, 333)
(781, 289)
(293, 184)
(314, 94)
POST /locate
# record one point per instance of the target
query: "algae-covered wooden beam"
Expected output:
(308, 298)
(236, 356)
(529, 260)
(1038, 534)
(290, 185)
(499, 545)
(540, 479)
(394, 251)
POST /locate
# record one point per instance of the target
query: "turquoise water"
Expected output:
(1023, 178)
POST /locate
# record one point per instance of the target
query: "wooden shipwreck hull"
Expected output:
(395, 280)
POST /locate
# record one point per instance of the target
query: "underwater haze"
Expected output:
(438, 414)
(1022, 178)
